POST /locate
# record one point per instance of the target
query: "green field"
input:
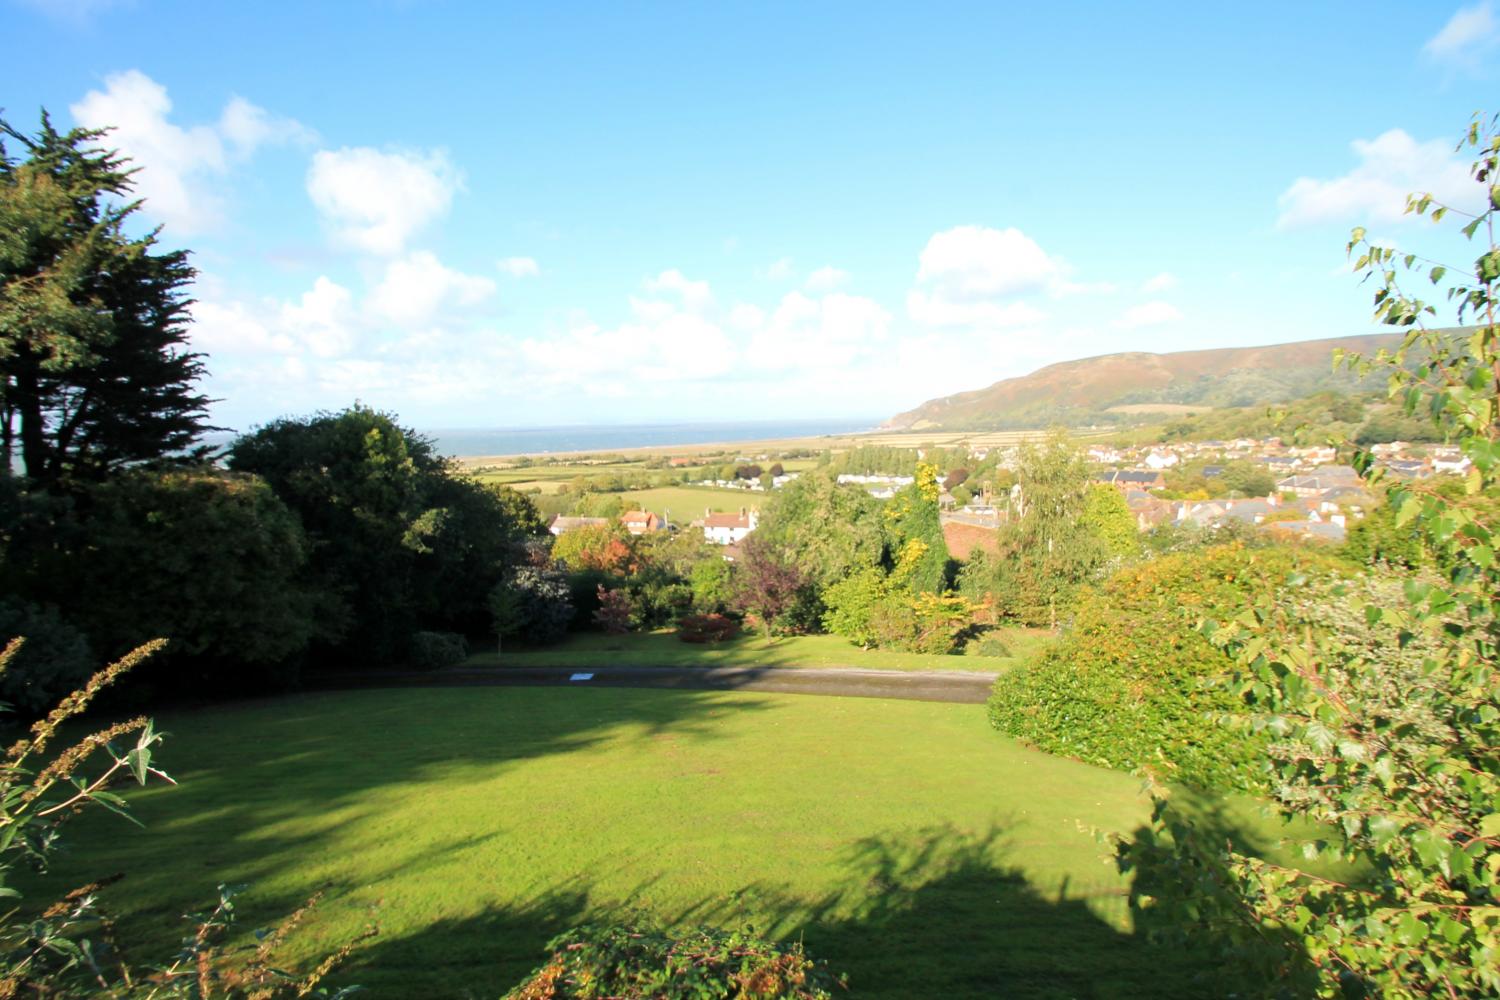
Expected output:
(907, 843)
(682, 504)
(664, 649)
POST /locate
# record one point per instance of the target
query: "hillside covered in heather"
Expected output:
(1093, 390)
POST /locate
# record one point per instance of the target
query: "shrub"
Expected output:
(707, 628)
(613, 614)
(657, 599)
(713, 585)
(1129, 686)
(53, 661)
(436, 650)
(988, 645)
(924, 623)
(532, 603)
(636, 963)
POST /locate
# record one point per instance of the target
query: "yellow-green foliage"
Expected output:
(1126, 687)
(872, 608)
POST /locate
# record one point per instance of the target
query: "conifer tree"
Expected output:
(95, 373)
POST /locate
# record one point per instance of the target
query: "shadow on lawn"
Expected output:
(930, 913)
(245, 810)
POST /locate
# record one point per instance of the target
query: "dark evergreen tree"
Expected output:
(95, 373)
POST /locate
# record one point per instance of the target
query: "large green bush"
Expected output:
(1128, 686)
(55, 659)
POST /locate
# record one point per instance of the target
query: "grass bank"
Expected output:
(663, 649)
(907, 843)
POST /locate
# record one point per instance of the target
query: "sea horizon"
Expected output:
(478, 442)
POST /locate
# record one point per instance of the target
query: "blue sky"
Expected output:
(478, 215)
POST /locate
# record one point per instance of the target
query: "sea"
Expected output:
(475, 442)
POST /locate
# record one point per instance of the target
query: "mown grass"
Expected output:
(662, 648)
(908, 844)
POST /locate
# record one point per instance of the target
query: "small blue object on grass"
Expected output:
(581, 677)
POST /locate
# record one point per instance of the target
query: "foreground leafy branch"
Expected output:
(1397, 767)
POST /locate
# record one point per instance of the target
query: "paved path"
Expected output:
(930, 685)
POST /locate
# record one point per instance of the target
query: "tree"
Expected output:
(913, 516)
(1398, 771)
(776, 590)
(1049, 548)
(1107, 516)
(211, 560)
(829, 530)
(399, 542)
(94, 370)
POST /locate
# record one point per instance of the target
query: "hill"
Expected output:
(1104, 389)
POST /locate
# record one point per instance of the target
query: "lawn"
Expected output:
(907, 843)
(663, 649)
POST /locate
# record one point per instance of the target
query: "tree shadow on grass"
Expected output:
(267, 786)
(927, 913)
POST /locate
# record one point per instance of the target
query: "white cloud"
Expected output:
(1391, 166)
(418, 287)
(978, 277)
(1469, 34)
(519, 267)
(374, 201)
(937, 311)
(248, 126)
(969, 263)
(233, 328)
(1163, 282)
(780, 269)
(695, 295)
(826, 279)
(323, 320)
(1153, 313)
(826, 335)
(183, 167)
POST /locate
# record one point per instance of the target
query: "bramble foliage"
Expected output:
(1399, 767)
(645, 963)
(1128, 685)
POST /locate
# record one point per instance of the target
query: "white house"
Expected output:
(727, 529)
(1160, 460)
